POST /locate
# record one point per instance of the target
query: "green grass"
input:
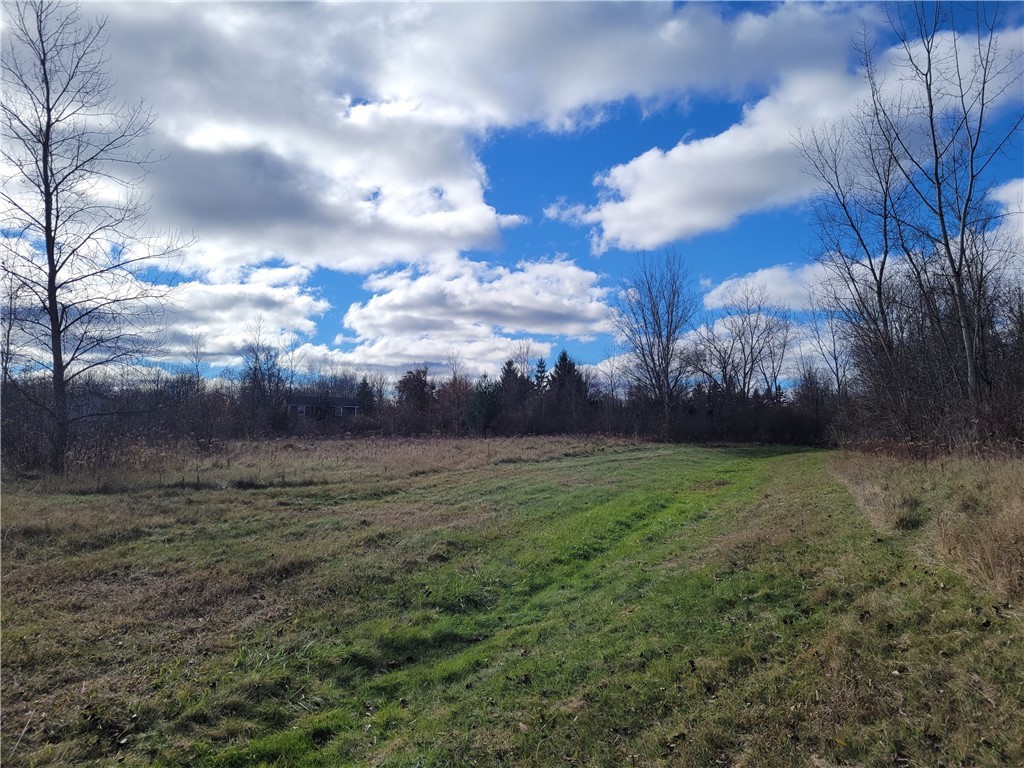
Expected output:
(605, 604)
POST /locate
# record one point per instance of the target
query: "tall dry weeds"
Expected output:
(968, 511)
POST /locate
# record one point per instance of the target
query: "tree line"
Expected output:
(111, 416)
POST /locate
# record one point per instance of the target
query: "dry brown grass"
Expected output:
(297, 461)
(967, 511)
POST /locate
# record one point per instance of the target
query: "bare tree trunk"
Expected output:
(61, 417)
(83, 306)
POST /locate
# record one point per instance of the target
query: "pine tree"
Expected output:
(541, 377)
(364, 397)
(514, 386)
(566, 377)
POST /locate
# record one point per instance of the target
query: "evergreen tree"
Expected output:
(541, 377)
(565, 378)
(364, 397)
(568, 390)
(514, 385)
(484, 404)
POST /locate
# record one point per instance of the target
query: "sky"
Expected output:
(383, 185)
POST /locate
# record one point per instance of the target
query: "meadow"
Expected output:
(535, 601)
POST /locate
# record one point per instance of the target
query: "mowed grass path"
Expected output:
(562, 604)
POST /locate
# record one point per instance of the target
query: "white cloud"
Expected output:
(784, 285)
(273, 155)
(278, 276)
(1010, 196)
(225, 313)
(480, 310)
(557, 64)
(707, 184)
(344, 136)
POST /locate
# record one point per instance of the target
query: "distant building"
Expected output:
(320, 407)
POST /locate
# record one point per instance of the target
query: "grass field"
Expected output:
(518, 602)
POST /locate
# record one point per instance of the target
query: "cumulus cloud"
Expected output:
(1010, 195)
(478, 309)
(704, 185)
(359, 152)
(707, 184)
(252, 203)
(784, 285)
(1010, 235)
(559, 64)
(224, 315)
(274, 155)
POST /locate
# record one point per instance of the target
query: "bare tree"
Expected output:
(612, 374)
(939, 132)
(292, 358)
(905, 213)
(778, 343)
(746, 343)
(74, 203)
(828, 339)
(524, 358)
(8, 327)
(610, 381)
(761, 334)
(713, 355)
(855, 222)
(654, 313)
(456, 365)
(381, 385)
(453, 394)
(196, 353)
(263, 383)
(856, 225)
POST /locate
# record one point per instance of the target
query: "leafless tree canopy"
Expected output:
(655, 311)
(740, 353)
(73, 207)
(910, 236)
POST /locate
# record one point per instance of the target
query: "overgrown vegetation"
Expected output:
(541, 602)
(970, 510)
(165, 412)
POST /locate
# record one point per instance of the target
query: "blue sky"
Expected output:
(386, 184)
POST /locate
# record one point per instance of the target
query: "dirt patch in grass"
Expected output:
(710, 485)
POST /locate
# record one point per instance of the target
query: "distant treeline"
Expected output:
(260, 402)
(852, 397)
